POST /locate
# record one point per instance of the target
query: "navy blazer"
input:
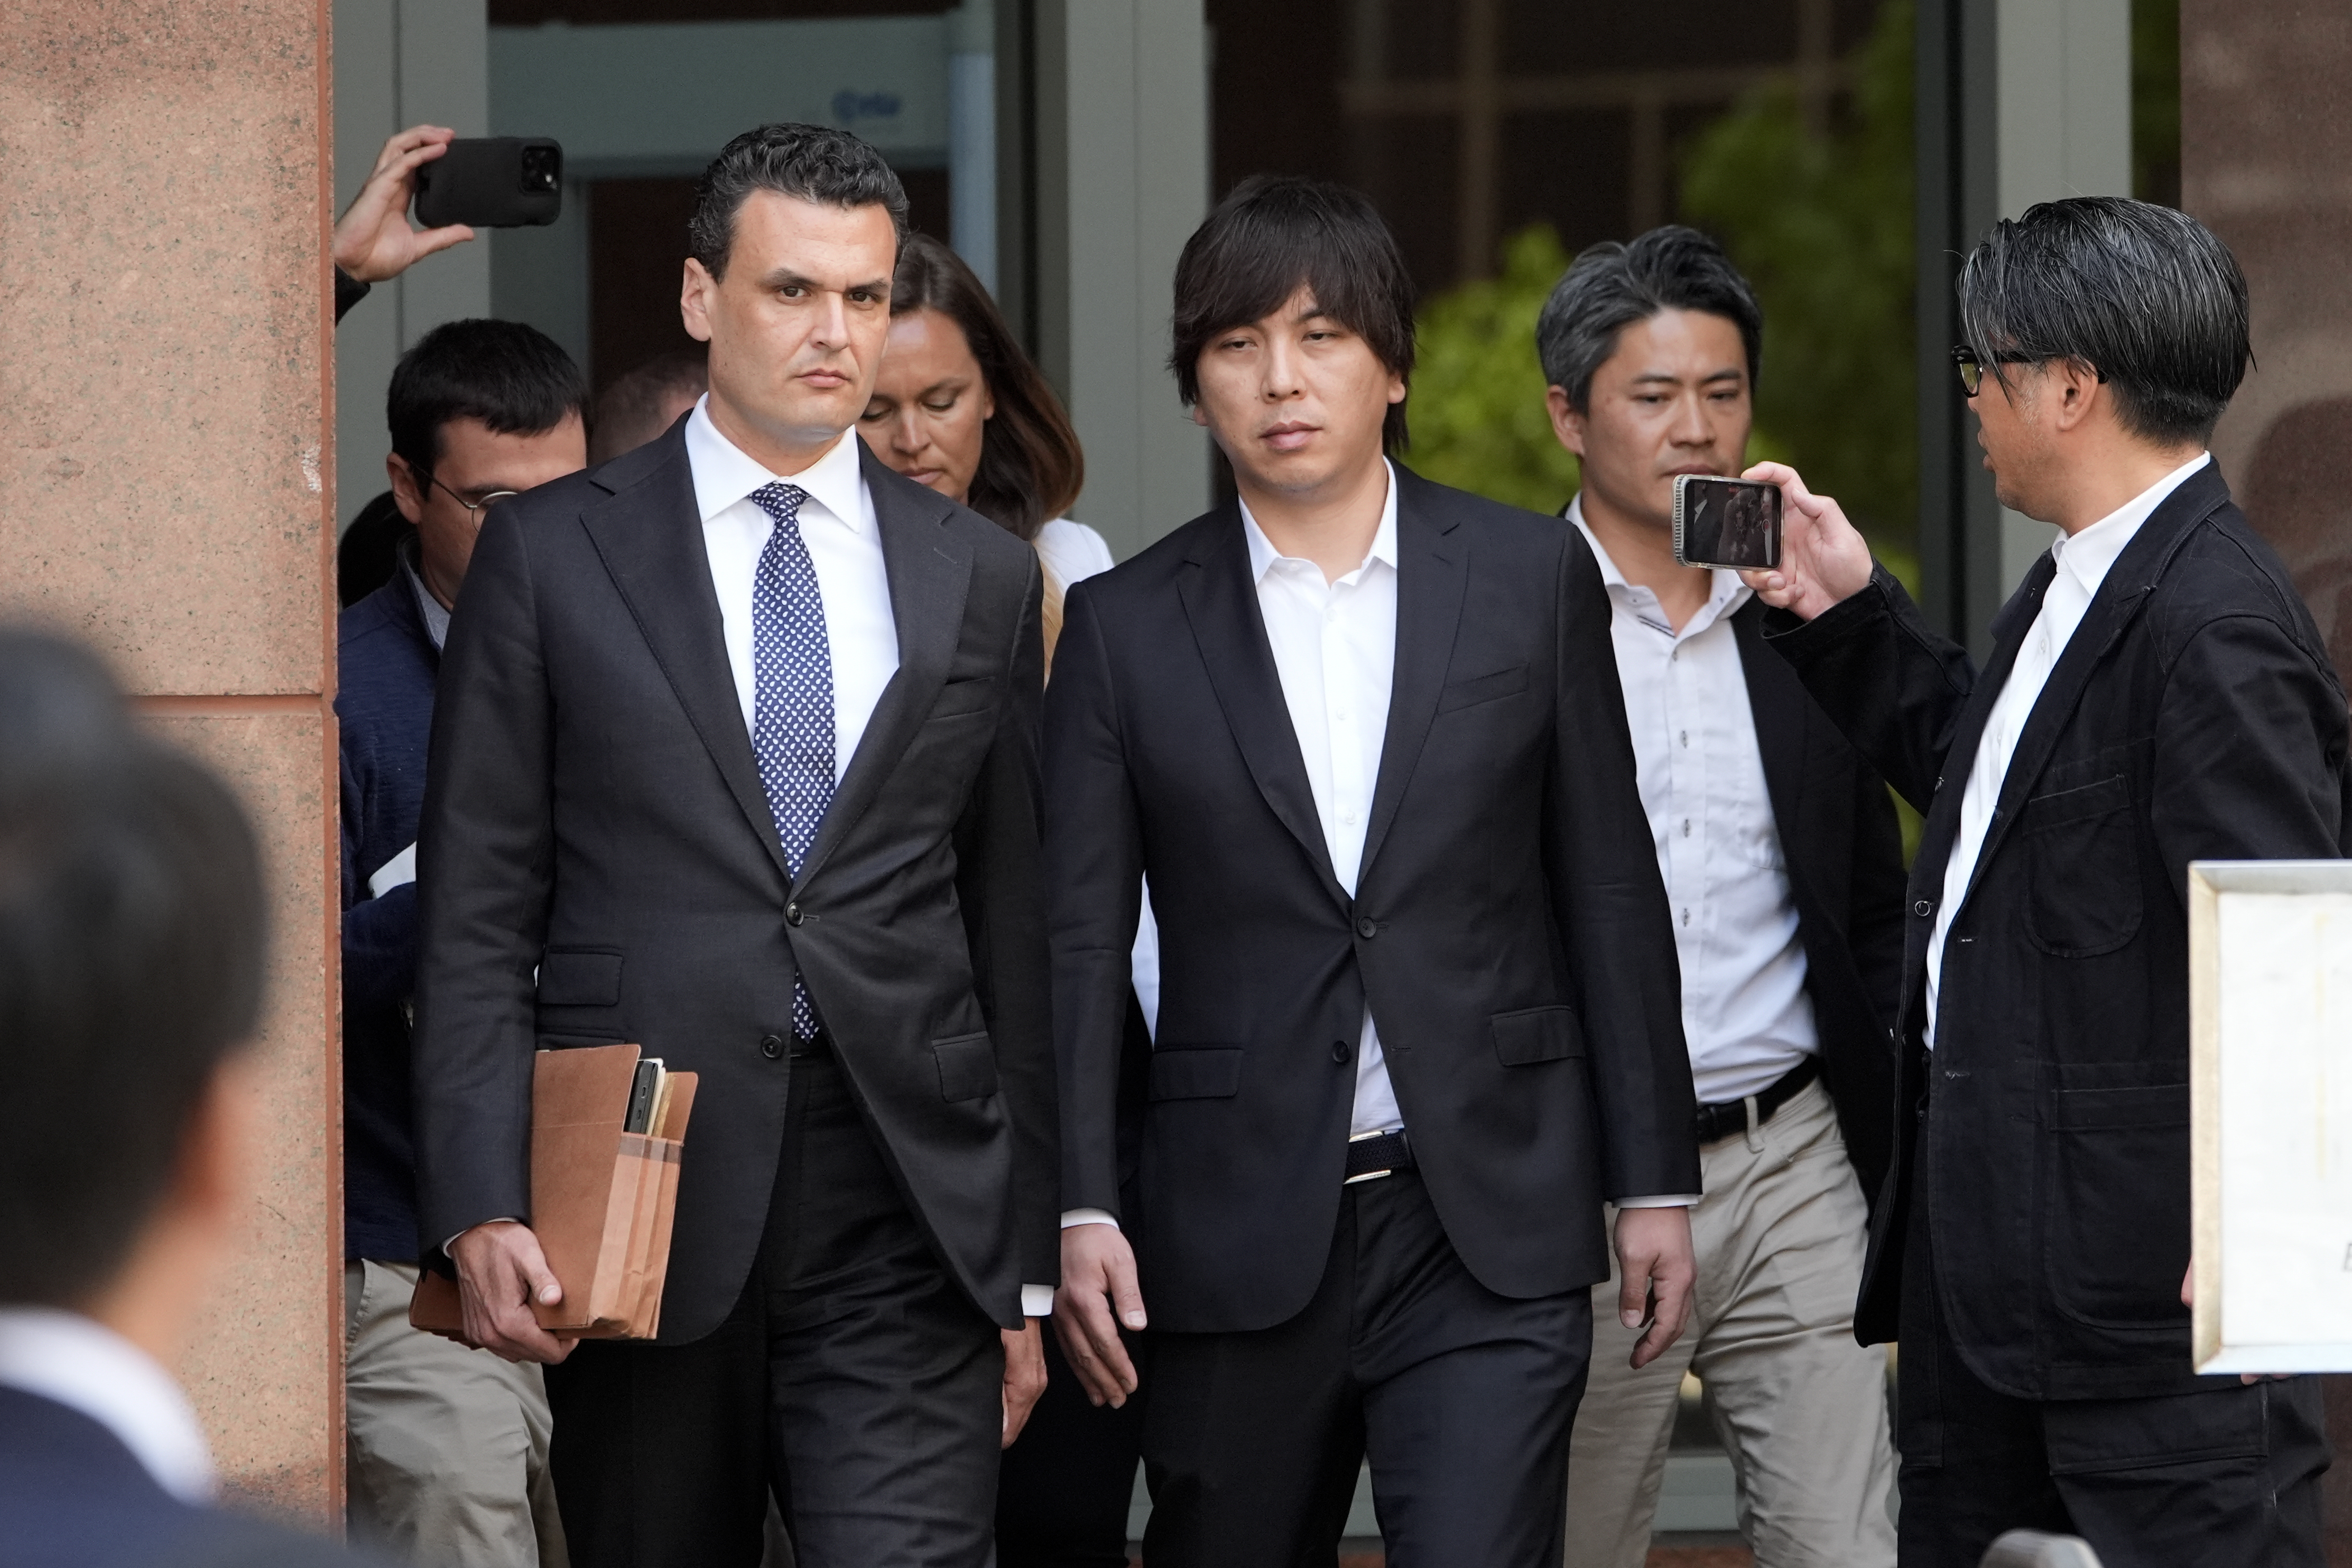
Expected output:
(383, 704)
(71, 1496)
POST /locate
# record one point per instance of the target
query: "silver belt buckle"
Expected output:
(1368, 1176)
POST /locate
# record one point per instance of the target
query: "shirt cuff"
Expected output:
(1036, 1301)
(1671, 1200)
(1089, 1217)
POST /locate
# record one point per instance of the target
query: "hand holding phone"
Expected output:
(373, 243)
(1825, 559)
(1733, 523)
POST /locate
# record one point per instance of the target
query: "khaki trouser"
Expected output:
(447, 1451)
(1801, 1408)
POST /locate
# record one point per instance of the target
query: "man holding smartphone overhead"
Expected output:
(1784, 868)
(2155, 695)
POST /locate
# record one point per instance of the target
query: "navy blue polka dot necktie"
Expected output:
(791, 734)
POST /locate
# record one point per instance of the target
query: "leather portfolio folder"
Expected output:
(603, 1200)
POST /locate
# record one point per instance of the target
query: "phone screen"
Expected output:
(1726, 522)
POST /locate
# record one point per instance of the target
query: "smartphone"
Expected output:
(1732, 523)
(492, 183)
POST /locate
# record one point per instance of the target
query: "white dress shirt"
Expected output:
(845, 545)
(77, 1363)
(1746, 1012)
(2082, 562)
(1335, 650)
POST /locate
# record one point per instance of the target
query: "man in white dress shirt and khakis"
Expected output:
(1783, 864)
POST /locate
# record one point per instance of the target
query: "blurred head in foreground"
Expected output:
(131, 933)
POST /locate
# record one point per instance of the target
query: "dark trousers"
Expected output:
(2225, 1477)
(1062, 1497)
(1461, 1398)
(855, 1376)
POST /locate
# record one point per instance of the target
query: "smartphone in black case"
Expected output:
(492, 183)
(1732, 523)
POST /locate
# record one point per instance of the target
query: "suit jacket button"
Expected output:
(1919, 909)
(1341, 1052)
(772, 1046)
(791, 914)
(1367, 928)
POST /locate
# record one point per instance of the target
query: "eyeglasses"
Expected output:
(474, 509)
(1971, 368)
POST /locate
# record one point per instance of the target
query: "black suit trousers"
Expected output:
(855, 1376)
(2224, 1478)
(1461, 1398)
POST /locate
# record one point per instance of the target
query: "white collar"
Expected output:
(2087, 555)
(1263, 555)
(85, 1366)
(725, 474)
(1726, 596)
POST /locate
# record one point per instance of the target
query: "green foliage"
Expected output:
(1477, 411)
(1822, 226)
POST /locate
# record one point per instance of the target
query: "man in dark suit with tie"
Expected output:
(1418, 1016)
(2157, 695)
(734, 758)
(132, 927)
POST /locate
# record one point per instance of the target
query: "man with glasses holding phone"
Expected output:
(1784, 868)
(2155, 695)
(448, 1446)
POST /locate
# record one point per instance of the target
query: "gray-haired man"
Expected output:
(1784, 869)
(2157, 695)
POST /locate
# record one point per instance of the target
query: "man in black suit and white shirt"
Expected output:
(1783, 865)
(734, 758)
(1418, 1016)
(2157, 695)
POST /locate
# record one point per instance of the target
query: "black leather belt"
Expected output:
(1378, 1155)
(1716, 1123)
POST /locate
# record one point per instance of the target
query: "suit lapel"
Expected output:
(1780, 711)
(1221, 604)
(2121, 593)
(1943, 823)
(1433, 572)
(929, 572)
(649, 536)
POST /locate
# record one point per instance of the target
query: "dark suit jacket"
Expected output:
(71, 1496)
(2193, 716)
(1509, 931)
(593, 813)
(385, 669)
(1844, 853)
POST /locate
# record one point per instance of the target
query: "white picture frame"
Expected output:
(2270, 1009)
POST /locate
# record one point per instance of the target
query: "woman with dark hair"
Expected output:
(959, 407)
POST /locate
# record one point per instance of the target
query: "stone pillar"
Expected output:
(2265, 147)
(2265, 144)
(166, 394)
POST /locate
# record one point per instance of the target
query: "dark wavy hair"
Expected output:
(814, 163)
(1030, 468)
(1273, 235)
